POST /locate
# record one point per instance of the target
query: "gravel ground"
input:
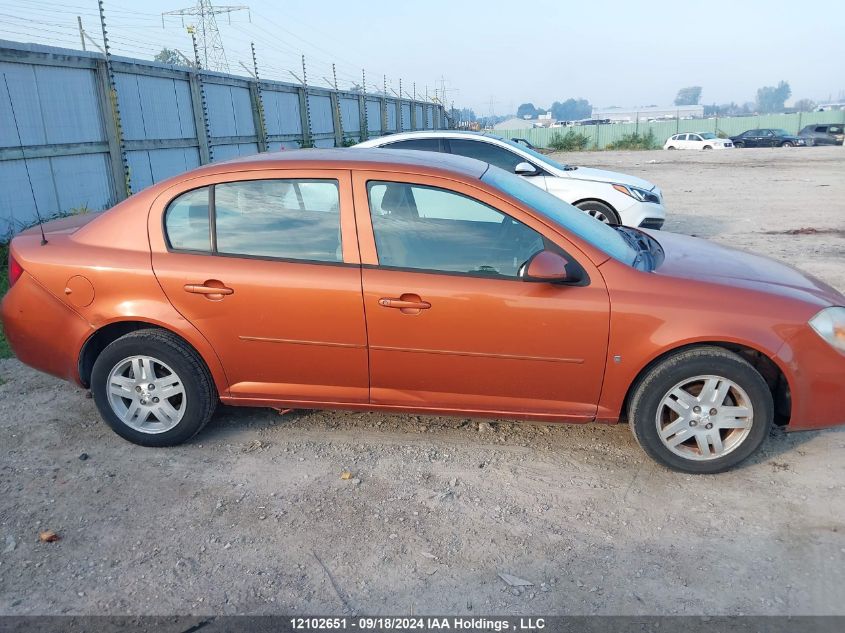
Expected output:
(254, 517)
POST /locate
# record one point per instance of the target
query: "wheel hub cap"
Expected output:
(146, 394)
(704, 417)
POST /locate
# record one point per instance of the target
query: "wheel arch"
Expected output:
(109, 332)
(774, 375)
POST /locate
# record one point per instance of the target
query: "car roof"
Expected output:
(360, 158)
(401, 136)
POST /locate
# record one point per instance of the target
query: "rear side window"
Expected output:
(425, 144)
(486, 152)
(288, 219)
(186, 221)
(279, 218)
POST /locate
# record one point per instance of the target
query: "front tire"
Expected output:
(152, 388)
(701, 410)
(600, 211)
(739, 145)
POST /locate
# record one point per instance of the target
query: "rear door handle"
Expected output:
(407, 303)
(212, 289)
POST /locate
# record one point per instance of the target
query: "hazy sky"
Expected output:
(612, 52)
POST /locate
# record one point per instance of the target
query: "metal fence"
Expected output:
(84, 149)
(601, 136)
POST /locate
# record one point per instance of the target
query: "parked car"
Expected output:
(704, 140)
(823, 134)
(767, 138)
(608, 196)
(419, 282)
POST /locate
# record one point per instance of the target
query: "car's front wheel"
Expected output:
(701, 410)
(787, 144)
(152, 388)
(739, 144)
(600, 211)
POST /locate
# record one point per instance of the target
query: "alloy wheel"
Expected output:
(146, 394)
(704, 418)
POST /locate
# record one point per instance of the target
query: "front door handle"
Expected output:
(212, 289)
(407, 303)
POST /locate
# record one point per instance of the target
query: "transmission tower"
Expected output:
(210, 45)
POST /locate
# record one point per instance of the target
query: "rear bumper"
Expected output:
(816, 375)
(43, 332)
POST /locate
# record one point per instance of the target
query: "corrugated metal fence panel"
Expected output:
(281, 112)
(225, 152)
(61, 184)
(154, 107)
(429, 117)
(406, 116)
(350, 115)
(229, 110)
(148, 167)
(51, 104)
(391, 116)
(373, 107)
(322, 120)
(601, 136)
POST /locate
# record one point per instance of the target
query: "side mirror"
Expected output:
(525, 169)
(545, 266)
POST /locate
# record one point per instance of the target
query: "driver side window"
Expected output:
(426, 228)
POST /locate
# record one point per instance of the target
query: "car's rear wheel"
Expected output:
(787, 144)
(702, 410)
(707, 147)
(152, 388)
(600, 211)
(671, 147)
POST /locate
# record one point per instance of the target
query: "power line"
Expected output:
(208, 35)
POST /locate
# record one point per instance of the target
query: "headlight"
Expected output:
(638, 194)
(830, 325)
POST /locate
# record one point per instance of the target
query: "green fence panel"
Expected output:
(601, 136)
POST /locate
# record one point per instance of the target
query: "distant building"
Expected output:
(649, 113)
(514, 123)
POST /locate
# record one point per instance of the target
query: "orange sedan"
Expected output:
(412, 281)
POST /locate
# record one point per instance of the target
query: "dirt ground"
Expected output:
(253, 516)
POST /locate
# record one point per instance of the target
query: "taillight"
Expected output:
(15, 270)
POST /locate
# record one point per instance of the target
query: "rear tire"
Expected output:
(600, 211)
(707, 147)
(153, 389)
(701, 410)
(787, 144)
(672, 147)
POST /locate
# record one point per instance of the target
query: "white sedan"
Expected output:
(608, 196)
(705, 140)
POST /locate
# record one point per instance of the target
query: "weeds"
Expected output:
(635, 141)
(569, 142)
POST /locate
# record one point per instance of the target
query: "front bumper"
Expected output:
(816, 375)
(647, 215)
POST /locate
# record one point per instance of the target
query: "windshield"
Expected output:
(708, 135)
(537, 155)
(600, 235)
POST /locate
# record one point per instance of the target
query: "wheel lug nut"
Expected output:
(693, 423)
(714, 411)
(696, 409)
(151, 387)
(709, 425)
(138, 388)
(155, 400)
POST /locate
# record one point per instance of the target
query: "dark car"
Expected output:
(767, 138)
(823, 134)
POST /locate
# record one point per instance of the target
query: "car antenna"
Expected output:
(25, 165)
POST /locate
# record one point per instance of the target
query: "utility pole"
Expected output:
(258, 99)
(81, 32)
(209, 41)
